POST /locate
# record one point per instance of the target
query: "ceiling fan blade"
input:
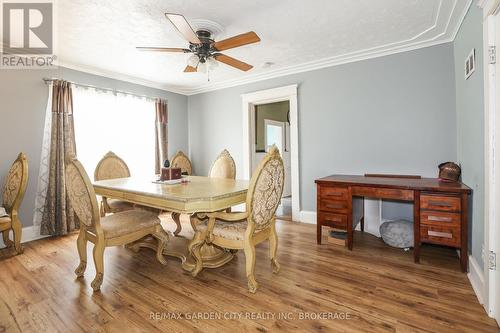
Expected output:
(189, 69)
(236, 41)
(233, 62)
(163, 49)
(182, 25)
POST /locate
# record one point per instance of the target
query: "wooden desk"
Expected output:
(440, 208)
(200, 195)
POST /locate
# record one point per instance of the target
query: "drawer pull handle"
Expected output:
(440, 204)
(439, 234)
(439, 218)
(335, 194)
(334, 206)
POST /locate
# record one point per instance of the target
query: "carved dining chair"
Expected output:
(244, 230)
(13, 194)
(113, 230)
(111, 167)
(223, 167)
(180, 160)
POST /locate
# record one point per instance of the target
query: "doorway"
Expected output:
(270, 117)
(272, 128)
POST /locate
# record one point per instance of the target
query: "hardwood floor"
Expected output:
(378, 288)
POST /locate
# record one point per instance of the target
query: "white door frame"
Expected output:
(487, 293)
(249, 101)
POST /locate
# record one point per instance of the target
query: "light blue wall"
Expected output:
(394, 114)
(470, 121)
(23, 99)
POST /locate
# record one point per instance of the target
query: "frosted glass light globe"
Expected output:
(193, 60)
(202, 67)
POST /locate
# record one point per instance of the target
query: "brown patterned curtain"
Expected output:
(161, 151)
(58, 217)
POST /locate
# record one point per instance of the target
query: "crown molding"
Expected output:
(462, 18)
(122, 77)
(371, 53)
(310, 66)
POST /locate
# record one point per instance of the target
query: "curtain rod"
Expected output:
(114, 91)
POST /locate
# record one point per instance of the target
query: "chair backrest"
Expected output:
(15, 184)
(180, 160)
(266, 189)
(223, 167)
(111, 167)
(82, 195)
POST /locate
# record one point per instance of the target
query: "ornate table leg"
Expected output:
(177, 219)
(212, 256)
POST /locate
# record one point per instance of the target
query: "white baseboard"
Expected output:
(476, 279)
(307, 216)
(30, 233)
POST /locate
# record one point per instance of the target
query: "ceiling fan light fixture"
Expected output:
(212, 63)
(202, 67)
(206, 51)
(193, 60)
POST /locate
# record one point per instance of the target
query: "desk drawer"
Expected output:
(442, 235)
(440, 218)
(336, 206)
(333, 220)
(440, 203)
(333, 193)
(382, 193)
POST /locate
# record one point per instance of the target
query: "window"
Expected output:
(119, 123)
(274, 134)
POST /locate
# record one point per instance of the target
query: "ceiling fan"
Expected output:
(206, 51)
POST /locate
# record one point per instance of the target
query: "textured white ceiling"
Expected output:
(100, 36)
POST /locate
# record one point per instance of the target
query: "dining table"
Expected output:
(194, 196)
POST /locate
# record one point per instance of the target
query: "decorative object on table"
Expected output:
(112, 230)
(244, 230)
(397, 233)
(170, 174)
(470, 64)
(181, 180)
(449, 171)
(13, 194)
(112, 166)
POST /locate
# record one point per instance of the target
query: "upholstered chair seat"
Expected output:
(244, 230)
(227, 230)
(12, 196)
(118, 229)
(123, 223)
(5, 220)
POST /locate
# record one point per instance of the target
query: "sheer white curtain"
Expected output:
(119, 123)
